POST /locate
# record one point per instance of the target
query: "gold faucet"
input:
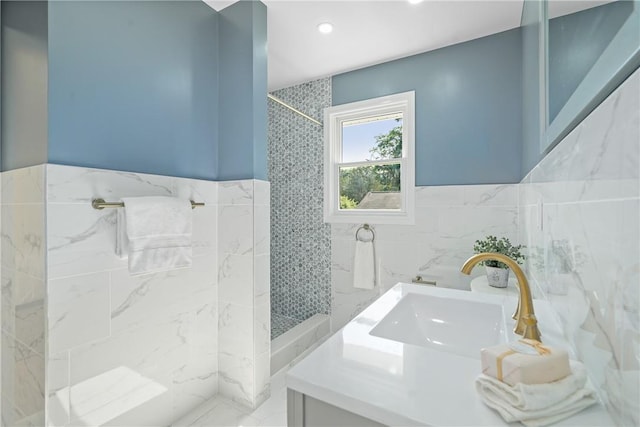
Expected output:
(526, 323)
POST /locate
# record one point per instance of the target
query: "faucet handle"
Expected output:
(420, 281)
(527, 326)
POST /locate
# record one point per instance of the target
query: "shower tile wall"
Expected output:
(585, 250)
(23, 295)
(300, 240)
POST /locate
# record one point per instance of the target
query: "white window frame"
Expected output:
(334, 117)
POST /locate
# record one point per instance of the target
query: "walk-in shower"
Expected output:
(300, 240)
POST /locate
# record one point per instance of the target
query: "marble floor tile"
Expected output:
(222, 412)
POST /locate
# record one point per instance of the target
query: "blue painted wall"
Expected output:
(259, 95)
(243, 91)
(133, 86)
(468, 107)
(24, 83)
(1, 85)
(576, 41)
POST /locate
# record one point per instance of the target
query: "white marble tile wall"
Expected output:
(126, 350)
(580, 215)
(448, 221)
(243, 277)
(23, 293)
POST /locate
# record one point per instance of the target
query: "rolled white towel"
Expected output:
(538, 404)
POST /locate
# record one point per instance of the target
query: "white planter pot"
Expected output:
(497, 277)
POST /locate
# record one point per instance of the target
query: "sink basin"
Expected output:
(446, 324)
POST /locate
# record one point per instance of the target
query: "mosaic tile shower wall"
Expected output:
(300, 240)
(281, 324)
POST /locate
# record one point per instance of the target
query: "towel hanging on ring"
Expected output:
(364, 276)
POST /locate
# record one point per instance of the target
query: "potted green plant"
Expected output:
(498, 272)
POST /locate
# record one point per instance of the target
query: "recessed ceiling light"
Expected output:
(325, 27)
(415, 1)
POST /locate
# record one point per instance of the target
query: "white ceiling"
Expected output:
(371, 32)
(368, 32)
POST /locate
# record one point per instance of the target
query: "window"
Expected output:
(369, 161)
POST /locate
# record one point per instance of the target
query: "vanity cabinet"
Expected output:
(305, 411)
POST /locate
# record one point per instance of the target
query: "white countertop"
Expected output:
(402, 384)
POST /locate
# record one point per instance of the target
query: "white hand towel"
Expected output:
(159, 232)
(122, 242)
(538, 404)
(364, 275)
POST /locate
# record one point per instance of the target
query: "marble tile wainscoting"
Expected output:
(120, 349)
(244, 329)
(23, 297)
(580, 216)
(449, 219)
(126, 350)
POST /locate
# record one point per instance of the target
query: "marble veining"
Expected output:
(66, 184)
(23, 297)
(140, 350)
(23, 238)
(83, 238)
(235, 378)
(298, 339)
(448, 221)
(140, 300)
(236, 192)
(222, 412)
(580, 218)
(236, 237)
(243, 280)
(119, 350)
(23, 186)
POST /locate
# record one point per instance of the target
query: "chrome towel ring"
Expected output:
(368, 228)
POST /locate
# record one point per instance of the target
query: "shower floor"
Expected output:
(281, 324)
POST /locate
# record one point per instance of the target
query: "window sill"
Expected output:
(377, 217)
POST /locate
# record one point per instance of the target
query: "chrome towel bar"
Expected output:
(101, 204)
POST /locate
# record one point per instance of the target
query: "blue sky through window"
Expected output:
(359, 138)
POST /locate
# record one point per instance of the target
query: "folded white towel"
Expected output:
(364, 275)
(159, 233)
(122, 242)
(538, 404)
